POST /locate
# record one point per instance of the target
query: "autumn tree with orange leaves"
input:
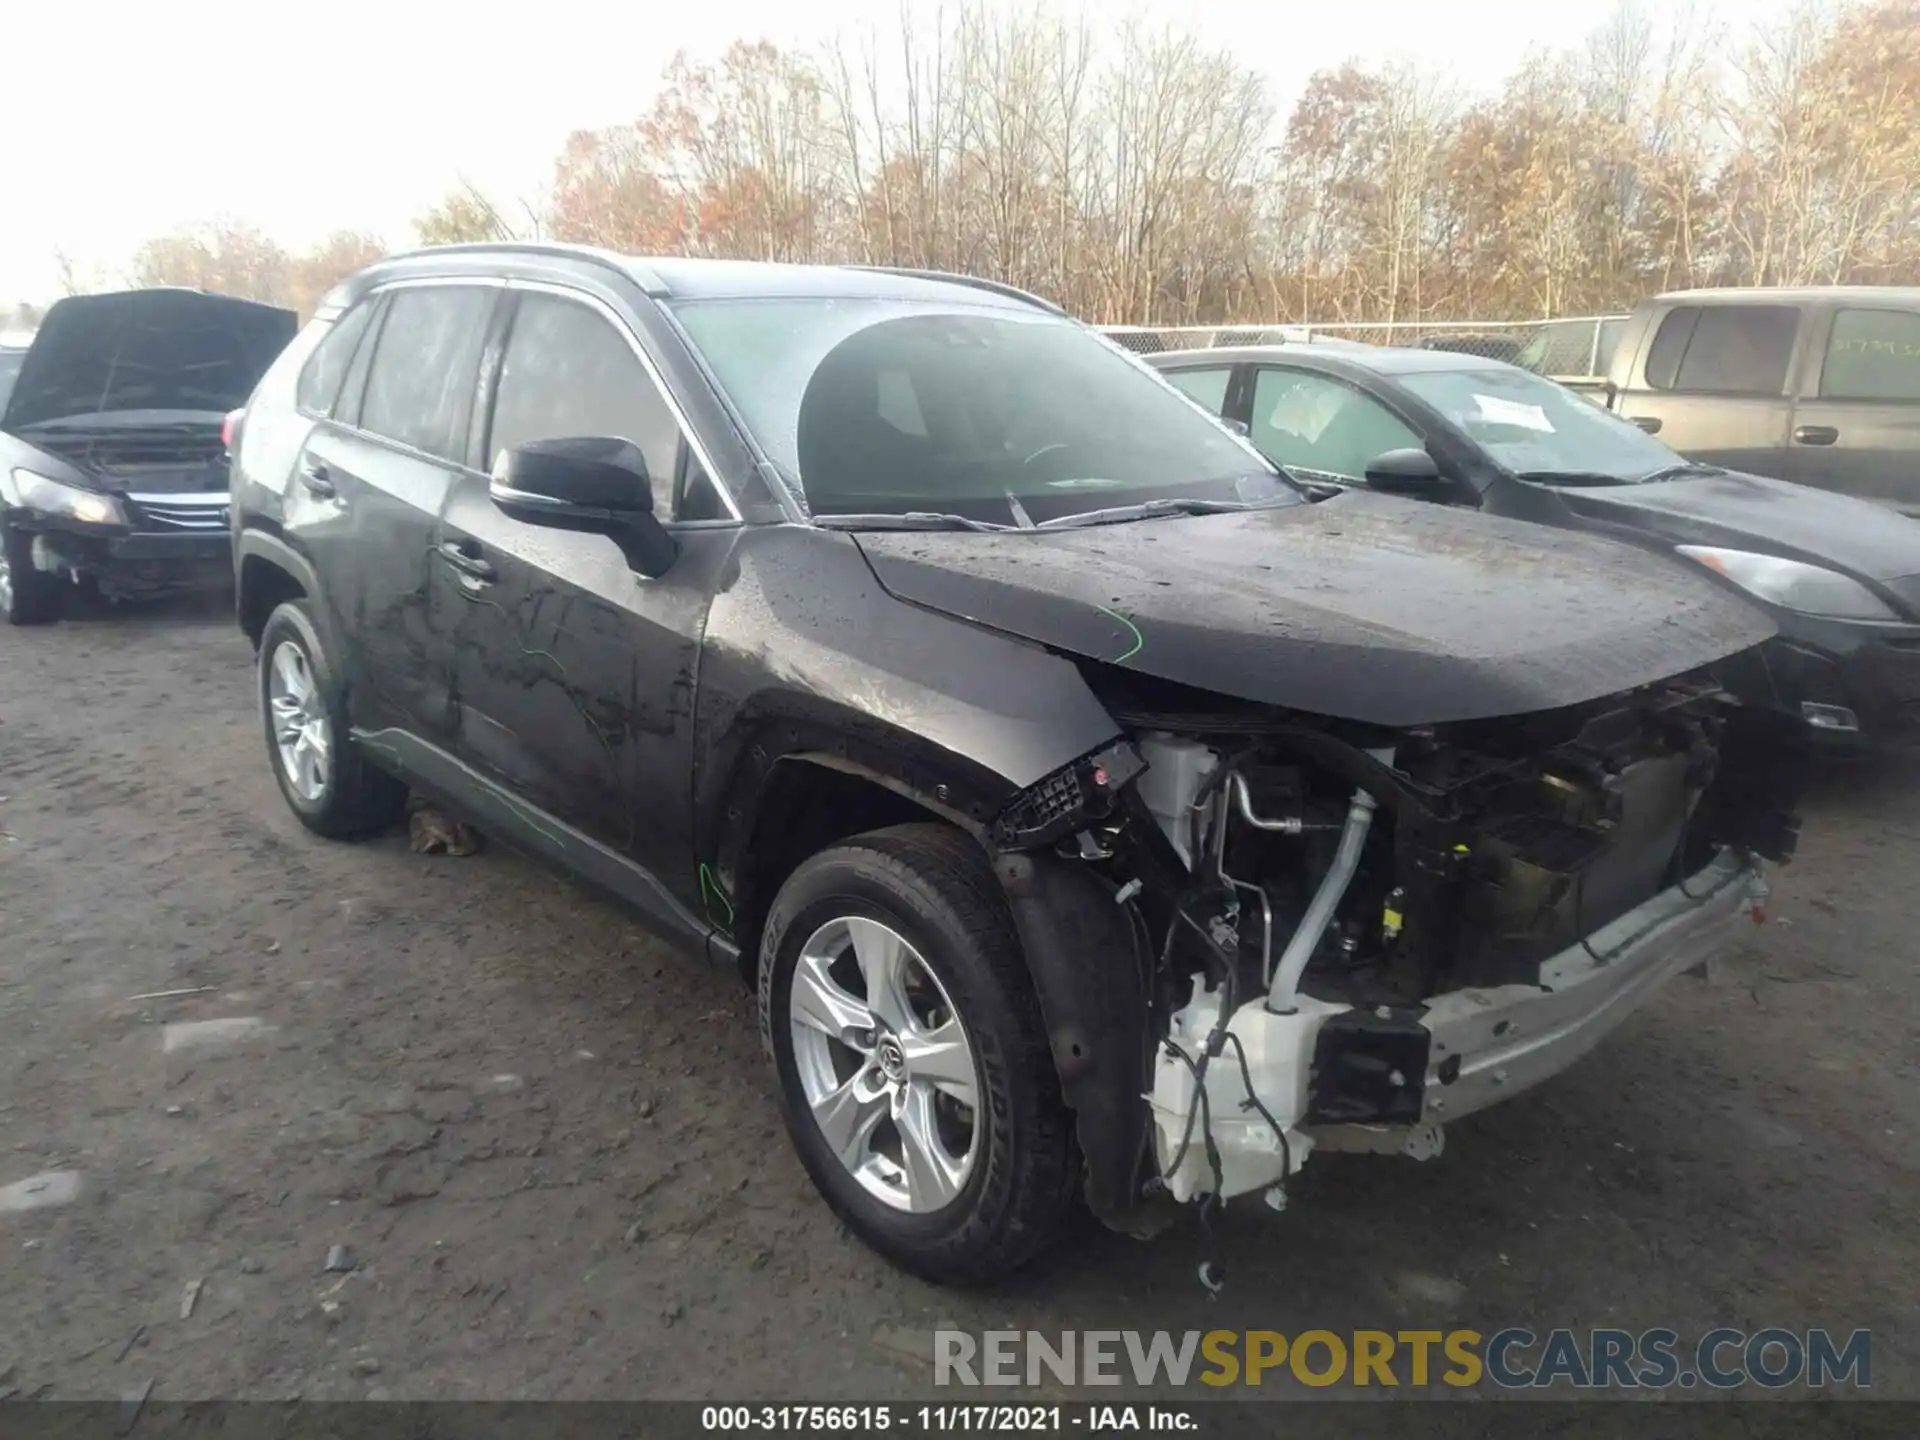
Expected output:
(1139, 175)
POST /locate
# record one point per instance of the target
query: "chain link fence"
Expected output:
(1573, 348)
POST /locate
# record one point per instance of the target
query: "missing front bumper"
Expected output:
(1341, 1079)
(138, 564)
(1489, 1045)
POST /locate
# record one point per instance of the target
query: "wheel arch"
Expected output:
(801, 781)
(268, 572)
(805, 775)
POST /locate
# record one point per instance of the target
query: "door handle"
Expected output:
(1815, 435)
(465, 562)
(318, 479)
(1648, 423)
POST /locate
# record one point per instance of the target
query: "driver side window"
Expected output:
(1323, 426)
(568, 372)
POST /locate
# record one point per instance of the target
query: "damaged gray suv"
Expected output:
(1096, 818)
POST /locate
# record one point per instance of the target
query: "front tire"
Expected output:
(325, 780)
(27, 596)
(912, 1062)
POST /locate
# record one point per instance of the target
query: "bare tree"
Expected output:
(1135, 173)
(225, 256)
(465, 215)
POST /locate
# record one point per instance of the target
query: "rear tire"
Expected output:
(326, 781)
(924, 892)
(27, 596)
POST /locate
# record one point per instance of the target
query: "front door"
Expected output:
(1319, 427)
(574, 676)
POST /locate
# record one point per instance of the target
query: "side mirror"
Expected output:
(597, 484)
(1409, 472)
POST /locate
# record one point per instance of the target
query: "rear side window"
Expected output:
(1611, 332)
(1724, 349)
(569, 373)
(1873, 355)
(1209, 387)
(327, 367)
(420, 387)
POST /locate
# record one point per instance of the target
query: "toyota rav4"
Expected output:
(1095, 817)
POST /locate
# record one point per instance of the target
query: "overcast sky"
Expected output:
(127, 121)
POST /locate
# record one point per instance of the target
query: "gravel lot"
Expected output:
(550, 1146)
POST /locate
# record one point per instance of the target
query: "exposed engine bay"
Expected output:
(1342, 930)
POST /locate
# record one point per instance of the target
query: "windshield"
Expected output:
(886, 406)
(1536, 428)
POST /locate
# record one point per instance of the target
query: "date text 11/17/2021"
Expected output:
(948, 1419)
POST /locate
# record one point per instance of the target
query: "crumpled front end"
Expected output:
(1346, 936)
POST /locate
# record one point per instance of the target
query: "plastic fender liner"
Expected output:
(1088, 973)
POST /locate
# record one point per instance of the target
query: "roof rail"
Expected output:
(559, 250)
(1011, 292)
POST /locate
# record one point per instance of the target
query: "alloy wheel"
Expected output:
(885, 1064)
(302, 732)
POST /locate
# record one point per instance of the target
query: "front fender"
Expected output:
(802, 637)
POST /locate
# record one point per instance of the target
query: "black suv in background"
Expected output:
(113, 457)
(1024, 736)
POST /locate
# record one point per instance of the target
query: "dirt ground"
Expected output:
(550, 1147)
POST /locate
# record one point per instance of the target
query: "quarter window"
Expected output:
(568, 373)
(1873, 355)
(420, 388)
(1322, 426)
(1209, 387)
(320, 381)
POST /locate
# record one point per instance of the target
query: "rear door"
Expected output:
(574, 674)
(368, 489)
(1716, 384)
(1856, 428)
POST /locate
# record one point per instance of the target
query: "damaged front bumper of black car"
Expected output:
(1342, 938)
(129, 546)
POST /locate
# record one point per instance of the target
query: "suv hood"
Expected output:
(1364, 607)
(146, 350)
(1775, 517)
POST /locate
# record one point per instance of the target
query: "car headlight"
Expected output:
(1792, 584)
(36, 492)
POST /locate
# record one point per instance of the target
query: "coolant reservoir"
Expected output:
(1176, 769)
(1279, 1051)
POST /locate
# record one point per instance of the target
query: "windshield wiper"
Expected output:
(909, 520)
(1680, 471)
(1146, 510)
(1575, 477)
(1602, 477)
